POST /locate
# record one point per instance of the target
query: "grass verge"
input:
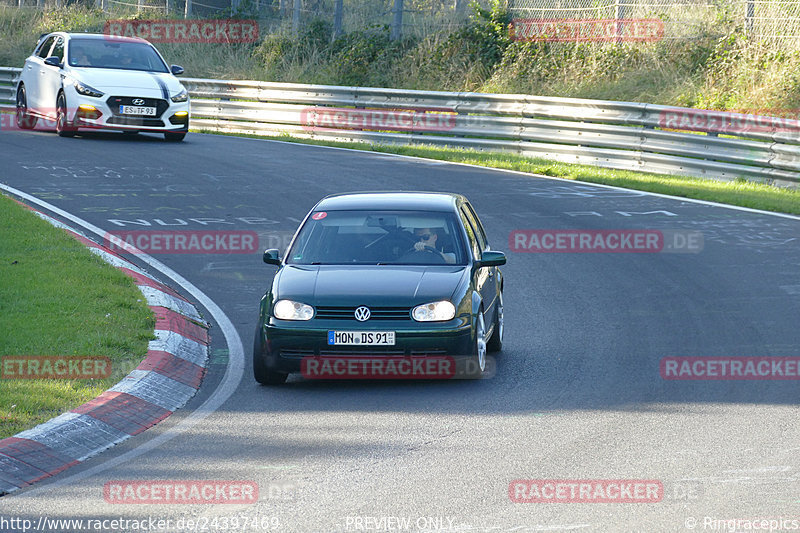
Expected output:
(740, 192)
(58, 298)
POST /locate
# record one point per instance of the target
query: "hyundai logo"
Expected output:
(138, 101)
(362, 313)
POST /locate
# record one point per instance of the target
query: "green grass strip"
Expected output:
(738, 192)
(58, 298)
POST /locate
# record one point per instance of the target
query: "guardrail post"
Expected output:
(337, 19)
(397, 20)
(296, 18)
(619, 15)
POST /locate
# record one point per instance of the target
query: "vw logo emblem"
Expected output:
(362, 313)
(138, 101)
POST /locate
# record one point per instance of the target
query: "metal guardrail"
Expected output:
(620, 135)
(8, 82)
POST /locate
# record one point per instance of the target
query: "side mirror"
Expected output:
(491, 259)
(53, 61)
(176, 70)
(272, 256)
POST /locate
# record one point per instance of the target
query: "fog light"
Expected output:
(181, 117)
(88, 112)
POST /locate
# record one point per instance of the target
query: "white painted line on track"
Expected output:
(230, 381)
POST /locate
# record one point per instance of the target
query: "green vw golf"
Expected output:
(382, 285)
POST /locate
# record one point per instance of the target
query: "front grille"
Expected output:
(373, 351)
(297, 354)
(136, 121)
(366, 351)
(376, 313)
(427, 353)
(115, 101)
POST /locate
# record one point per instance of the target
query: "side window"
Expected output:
(58, 49)
(44, 50)
(473, 243)
(482, 240)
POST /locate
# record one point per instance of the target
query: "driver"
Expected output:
(79, 57)
(427, 240)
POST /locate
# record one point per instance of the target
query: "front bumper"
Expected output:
(170, 116)
(288, 343)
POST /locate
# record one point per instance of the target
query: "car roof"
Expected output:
(96, 36)
(391, 200)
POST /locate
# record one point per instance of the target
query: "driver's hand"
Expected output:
(419, 246)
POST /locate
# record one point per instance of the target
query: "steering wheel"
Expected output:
(429, 250)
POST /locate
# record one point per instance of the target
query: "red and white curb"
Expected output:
(165, 380)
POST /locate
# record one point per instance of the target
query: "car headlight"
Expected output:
(181, 96)
(289, 310)
(87, 90)
(434, 311)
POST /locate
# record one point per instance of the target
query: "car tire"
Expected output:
(63, 127)
(495, 343)
(24, 120)
(475, 365)
(174, 137)
(264, 375)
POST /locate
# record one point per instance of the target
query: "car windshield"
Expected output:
(379, 238)
(110, 53)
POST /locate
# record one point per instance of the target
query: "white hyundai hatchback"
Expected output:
(95, 81)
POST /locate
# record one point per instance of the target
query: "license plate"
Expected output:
(359, 338)
(137, 110)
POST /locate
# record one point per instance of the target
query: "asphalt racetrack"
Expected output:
(578, 392)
